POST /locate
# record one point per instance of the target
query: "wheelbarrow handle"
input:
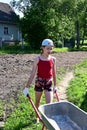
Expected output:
(57, 96)
(33, 105)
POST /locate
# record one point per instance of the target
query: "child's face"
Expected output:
(47, 50)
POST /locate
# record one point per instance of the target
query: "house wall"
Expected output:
(13, 33)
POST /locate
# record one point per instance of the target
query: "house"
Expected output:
(9, 29)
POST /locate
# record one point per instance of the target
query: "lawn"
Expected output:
(17, 49)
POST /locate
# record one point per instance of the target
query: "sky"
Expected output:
(5, 1)
(8, 1)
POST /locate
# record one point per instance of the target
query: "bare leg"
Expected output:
(37, 98)
(48, 96)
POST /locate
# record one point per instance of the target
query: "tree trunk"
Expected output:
(83, 39)
(78, 34)
(84, 26)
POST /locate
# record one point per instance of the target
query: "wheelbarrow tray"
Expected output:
(63, 115)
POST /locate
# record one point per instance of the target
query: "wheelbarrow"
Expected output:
(37, 112)
(63, 115)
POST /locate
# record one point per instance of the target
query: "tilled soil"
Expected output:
(15, 70)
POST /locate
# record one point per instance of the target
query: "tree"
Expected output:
(38, 21)
(78, 14)
(53, 19)
(84, 22)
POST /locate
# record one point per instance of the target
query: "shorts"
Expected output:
(43, 84)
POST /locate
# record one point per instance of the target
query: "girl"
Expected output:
(45, 68)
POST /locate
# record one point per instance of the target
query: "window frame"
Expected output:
(5, 30)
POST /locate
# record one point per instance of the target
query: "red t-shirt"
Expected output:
(45, 69)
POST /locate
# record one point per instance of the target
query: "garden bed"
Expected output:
(15, 70)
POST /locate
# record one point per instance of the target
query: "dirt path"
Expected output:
(64, 84)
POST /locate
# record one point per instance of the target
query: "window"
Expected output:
(5, 30)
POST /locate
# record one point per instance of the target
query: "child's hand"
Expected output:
(55, 89)
(26, 91)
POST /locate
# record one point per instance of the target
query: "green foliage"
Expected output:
(23, 117)
(1, 109)
(64, 49)
(35, 30)
(52, 19)
(77, 92)
(17, 49)
(82, 48)
(42, 20)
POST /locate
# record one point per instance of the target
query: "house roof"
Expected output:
(7, 15)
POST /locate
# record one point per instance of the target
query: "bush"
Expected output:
(59, 44)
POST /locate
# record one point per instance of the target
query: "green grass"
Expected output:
(77, 92)
(64, 49)
(17, 49)
(1, 109)
(23, 116)
(82, 48)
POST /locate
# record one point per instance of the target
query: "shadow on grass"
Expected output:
(17, 49)
(82, 48)
(84, 103)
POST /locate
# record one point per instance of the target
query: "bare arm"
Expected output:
(34, 69)
(54, 71)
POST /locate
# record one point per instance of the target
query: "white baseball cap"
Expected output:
(47, 42)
